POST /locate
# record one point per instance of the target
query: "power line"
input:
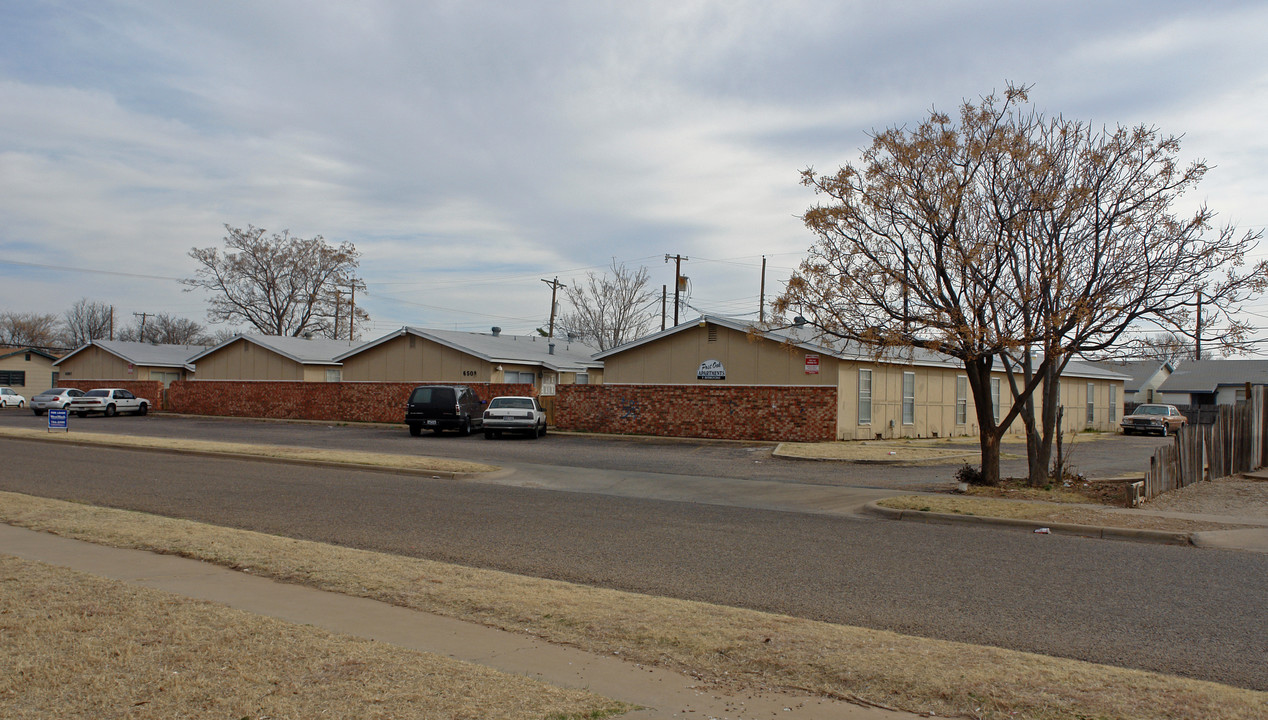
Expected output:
(88, 270)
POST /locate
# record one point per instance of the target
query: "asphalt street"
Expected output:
(1180, 610)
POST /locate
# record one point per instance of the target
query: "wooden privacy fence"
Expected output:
(1233, 444)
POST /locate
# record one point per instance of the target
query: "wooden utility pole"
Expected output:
(337, 296)
(554, 288)
(143, 316)
(761, 306)
(352, 310)
(677, 281)
(1197, 338)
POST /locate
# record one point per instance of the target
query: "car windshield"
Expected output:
(514, 403)
(1151, 410)
(106, 393)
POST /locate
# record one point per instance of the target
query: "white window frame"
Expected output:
(909, 398)
(334, 375)
(1113, 393)
(995, 388)
(1091, 404)
(961, 399)
(865, 397)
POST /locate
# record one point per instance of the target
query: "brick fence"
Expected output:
(151, 390)
(733, 412)
(294, 400)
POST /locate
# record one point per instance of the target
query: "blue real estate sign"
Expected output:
(57, 420)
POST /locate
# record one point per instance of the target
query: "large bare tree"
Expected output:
(28, 329)
(85, 321)
(610, 310)
(279, 284)
(1014, 238)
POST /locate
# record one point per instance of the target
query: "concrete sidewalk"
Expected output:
(662, 694)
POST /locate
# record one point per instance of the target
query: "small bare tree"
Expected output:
(167, 330)
(85, 321)
(28, 329)
(610, 310)
(278, 284)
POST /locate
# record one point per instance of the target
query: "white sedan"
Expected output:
(514, 414)
(10, 398)
(108, 402)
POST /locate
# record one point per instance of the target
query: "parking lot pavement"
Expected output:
(1112, 456)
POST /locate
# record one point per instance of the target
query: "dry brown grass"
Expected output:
(1077, 514)
(78, 646)
(337, 457)
(741, 648)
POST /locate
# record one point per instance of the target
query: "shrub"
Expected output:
(970, 474)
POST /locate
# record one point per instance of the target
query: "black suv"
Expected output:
(444, 407)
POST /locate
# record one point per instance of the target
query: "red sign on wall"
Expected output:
(812, 364)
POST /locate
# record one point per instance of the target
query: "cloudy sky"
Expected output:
(471, 149)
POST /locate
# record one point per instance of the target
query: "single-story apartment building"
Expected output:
(27, 370)
(273, 357)
(1212, 382)
(424, 355)
(101, 360)
(719, 377)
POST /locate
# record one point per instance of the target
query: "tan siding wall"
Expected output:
(97, 364)
(233, 362)
(674, 360)
(39, 372)
(396, 361)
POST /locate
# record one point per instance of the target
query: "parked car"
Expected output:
(1161, 419)
(54, 399)
(10, 398)
(109, 402)
(517, 414)
(444, 407)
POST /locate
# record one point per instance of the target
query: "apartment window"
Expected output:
(1091, 403)
(865, 397)
(995, 398)
(961, 399)
(1113, 403)
(334, 375)
(16, 378)
(582, 379)
(909, 398)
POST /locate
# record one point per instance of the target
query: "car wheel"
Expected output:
(21, 404)
(110, 411)
(415, 430)
(488, 434)
(82, 413)
(37, 411)
(465, 428)
(1164, 430)
(143, 409)
(541, 432)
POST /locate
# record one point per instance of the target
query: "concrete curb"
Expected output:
(1165, 537)
(442, 474)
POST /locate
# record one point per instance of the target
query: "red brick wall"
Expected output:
(342, 401)
(733, 412)
(151, 390)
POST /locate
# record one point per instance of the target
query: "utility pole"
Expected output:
(352, 309)
(1197, 339)
(677, 281)
(761, 307)
(143, 316)
(336, 332)
(111, 323)
(554, 288)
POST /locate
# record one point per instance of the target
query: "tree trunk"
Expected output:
(979, 374)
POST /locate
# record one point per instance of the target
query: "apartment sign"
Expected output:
(711, 370)
(812, 364)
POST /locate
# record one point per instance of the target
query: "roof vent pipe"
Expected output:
(497, 331)
(551, 348)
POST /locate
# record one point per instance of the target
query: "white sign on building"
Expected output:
(711, 370)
